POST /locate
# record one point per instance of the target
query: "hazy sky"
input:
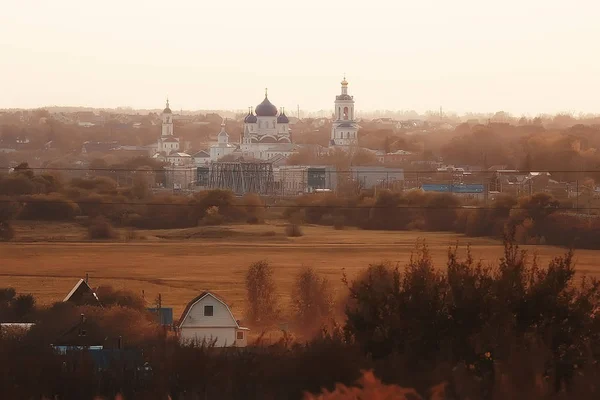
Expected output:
(521, 56)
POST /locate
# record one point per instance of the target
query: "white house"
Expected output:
(209, 318)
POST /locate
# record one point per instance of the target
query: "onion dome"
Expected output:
(283, 119)
(250, 118)
(167, 110)
(266, 108)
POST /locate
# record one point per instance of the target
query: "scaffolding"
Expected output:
(242, 177)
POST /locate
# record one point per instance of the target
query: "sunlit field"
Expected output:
(48, 260)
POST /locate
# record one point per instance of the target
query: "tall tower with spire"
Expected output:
(167, 143)
(344, 131)
(167, 121)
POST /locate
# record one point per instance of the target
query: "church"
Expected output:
(344, 131)
(266, 131)
(265, 134)
(167, 143)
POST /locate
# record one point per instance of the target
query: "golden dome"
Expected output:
(344, 82)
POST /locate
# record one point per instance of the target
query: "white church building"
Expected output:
(344, 131)
(167, 143)
(266, 132)
(222, 147)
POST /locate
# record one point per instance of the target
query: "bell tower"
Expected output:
(167, 121)
(345, 130)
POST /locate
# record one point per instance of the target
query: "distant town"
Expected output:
(281, 153)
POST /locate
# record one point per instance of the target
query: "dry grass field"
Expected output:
(181, 263)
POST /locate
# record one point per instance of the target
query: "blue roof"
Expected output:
(453, 188)
(164, 315)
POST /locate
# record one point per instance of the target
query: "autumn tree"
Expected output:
(311, 300)
(261, 294)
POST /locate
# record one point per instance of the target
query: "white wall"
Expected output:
(220, 326)
(221, 315)
(223, 336)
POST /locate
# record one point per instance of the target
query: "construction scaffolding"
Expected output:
(242, 177)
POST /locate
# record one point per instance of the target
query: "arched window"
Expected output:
(345, 112)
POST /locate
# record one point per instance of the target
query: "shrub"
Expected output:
(369, 387)
(339, 222)
(6, 231)
(212, 217)
(16, 184)
(260, 289)
(293, 230)
(255, 208)
(48, 207)
(100, 228)
(122, 298)
(311, 300)
(98, 184)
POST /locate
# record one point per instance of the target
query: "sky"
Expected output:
(520, 56)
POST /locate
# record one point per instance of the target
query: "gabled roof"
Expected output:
(202, 154)
(83, 286)
(198, 298)
(177, 154)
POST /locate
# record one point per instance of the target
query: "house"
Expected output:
(178, 158)
(98, 147)
(82, 294)
(201, 158)
(208, 318)
(84, 334)
(86, 340)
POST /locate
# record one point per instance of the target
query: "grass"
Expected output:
(181, 263)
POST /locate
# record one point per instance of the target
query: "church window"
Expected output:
(345, 112)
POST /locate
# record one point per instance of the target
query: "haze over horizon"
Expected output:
(523, 58)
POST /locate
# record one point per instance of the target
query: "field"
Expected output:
(181, 263)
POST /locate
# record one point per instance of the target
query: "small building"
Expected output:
(208, 318)
(164, 315)
(222, 147)
(201, 158)
(180, 177)
(472, 191)
(82, 294)
(178, 158)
